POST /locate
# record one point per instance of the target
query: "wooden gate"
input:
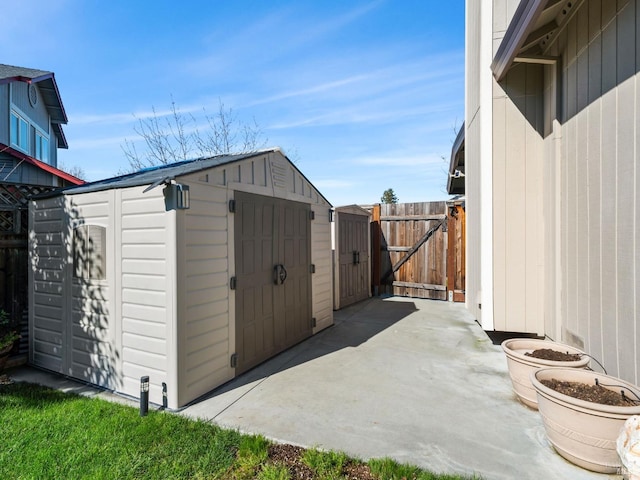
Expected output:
(416, 244)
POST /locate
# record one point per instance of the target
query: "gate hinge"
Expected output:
(232, 283)
(234, 360)
(313, 322)
(312, 215)
(232, 205)
(312, 268)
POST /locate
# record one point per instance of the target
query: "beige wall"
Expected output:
(599, 191)
(518, 227)
(473, 149)
(565, 191)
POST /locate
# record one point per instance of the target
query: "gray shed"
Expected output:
(189, 273)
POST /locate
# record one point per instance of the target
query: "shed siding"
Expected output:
(600, 196)
(206, 309)
(203, 288)
(145, 263)
(322, 280)
(47, 259)
(164, 308)
(93, 353)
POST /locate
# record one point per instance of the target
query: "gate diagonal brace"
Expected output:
(414, 249)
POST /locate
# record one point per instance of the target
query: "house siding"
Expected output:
(4, 113)
(24, 173)
(518, 228)
(473, 139)
(38, 114)
(599, 186)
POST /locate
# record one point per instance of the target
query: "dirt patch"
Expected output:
(549, 354)
(290, 456)
(590, 393)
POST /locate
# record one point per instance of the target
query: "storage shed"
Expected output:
(190, 273)
(351, 239)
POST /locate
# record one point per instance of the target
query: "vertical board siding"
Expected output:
(4, 113)
(599, 190)
(143, 287)
(473, 32)
(47, 228)
(518, 229)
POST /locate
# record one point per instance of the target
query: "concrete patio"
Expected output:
(415, 380)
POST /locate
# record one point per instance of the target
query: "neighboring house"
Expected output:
(31, 118)
(190, 273)
(552, 134)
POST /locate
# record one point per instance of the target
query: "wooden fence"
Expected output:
(418, 250)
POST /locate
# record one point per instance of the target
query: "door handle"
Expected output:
(279, 274)
(276, 274)
(355, 257)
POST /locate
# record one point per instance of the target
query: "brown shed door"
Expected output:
(273, 279)
(354, 258)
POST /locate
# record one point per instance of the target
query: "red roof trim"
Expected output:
(22, 78)
(41, 165)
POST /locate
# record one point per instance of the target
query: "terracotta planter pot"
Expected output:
(583, 432)
(521, 366)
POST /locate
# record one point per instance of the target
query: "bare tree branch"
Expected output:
(175, 137)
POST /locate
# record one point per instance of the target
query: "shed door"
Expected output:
(354, 258)
(273, 279)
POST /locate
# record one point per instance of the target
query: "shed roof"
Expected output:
(48, 89)
(533, 28)
(165, 173)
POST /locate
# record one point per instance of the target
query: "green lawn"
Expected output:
(49, 434)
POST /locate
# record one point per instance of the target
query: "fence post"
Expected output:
(375, 249)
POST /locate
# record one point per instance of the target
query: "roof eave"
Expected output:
(452, 181)
(41, 165)
(523, 20)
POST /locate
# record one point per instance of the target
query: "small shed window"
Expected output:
(89, 252)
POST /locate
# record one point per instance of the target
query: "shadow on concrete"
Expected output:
(349, 331)
(498, 337)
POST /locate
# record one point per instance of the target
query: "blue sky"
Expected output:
(363, 95)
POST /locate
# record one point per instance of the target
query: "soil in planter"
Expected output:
(589, 393)
(549, 354)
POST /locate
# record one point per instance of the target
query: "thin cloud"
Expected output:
(333, 183)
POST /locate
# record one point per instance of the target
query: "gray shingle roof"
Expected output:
(11, 72)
